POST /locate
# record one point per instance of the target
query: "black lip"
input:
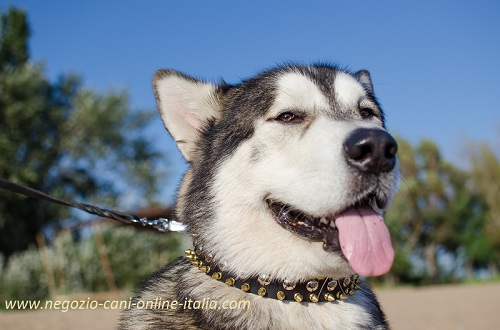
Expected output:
(306, 226)
(298, 222)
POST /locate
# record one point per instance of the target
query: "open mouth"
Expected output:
(318, 228)
(358, 232)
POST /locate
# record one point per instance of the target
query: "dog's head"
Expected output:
(290, 170)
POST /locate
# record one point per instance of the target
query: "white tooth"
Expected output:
(332, 224)
(324, 221)
(373, 204)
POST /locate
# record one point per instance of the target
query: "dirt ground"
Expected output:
(443, 307)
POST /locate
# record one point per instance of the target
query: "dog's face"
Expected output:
(290, 171)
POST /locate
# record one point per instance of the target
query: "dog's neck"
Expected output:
(313, 290)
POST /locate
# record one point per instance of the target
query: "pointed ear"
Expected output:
(364, 78)
(186, 107)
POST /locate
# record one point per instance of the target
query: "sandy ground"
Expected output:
(444, 307)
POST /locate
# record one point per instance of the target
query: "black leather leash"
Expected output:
(161, 224)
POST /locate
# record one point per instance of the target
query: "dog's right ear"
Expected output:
(186, 107)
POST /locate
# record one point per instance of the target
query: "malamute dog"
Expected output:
(290, 174)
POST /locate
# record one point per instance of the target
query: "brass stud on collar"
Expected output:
(289, 285)
(298, 297)
(197, 263)
(312, 286)
(347, 281)
(280, 295)
(217, 275)
(341, 296)
(329, 297)
(263, 280)
(262, 292)
(245, 287)
(192, 257)
(230, 281)
(331, 285)
(313, 298)
(205, 269)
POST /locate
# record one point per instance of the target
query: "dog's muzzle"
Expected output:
(357, 231)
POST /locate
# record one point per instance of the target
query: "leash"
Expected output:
(161, 224)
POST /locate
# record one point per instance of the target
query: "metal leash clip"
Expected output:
(162, 224)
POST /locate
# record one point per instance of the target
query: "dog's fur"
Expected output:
(242, 152)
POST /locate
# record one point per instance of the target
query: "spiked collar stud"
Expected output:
(314, 290)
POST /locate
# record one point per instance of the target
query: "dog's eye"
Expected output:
(366, 113)
(289, 117)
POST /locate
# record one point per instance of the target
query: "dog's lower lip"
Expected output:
(316, 229)
(297, 222)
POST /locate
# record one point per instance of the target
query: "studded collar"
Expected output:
(314, 290)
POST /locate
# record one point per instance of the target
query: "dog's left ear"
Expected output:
(364, 78)
(186, 106)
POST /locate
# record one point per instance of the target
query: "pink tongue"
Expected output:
(365, 241)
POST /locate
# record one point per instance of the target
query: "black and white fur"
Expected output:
(241, 153)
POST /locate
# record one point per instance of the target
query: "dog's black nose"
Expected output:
(371, 150)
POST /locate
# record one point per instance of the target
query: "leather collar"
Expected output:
(313, 290)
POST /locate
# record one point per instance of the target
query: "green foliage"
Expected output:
(64, 139)
(485, 174)
(24, 277)
(443, 210)
(76, 266)
(2, 263)
(14, 30)
(136, 253)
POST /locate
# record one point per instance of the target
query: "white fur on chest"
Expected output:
(292, 315)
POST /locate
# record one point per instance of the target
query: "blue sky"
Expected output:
(435, 64)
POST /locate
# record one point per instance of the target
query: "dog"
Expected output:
(290, 174)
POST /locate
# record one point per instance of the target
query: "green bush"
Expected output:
(76, 265)
(2, 260)
(24, 277)
(136, 253)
